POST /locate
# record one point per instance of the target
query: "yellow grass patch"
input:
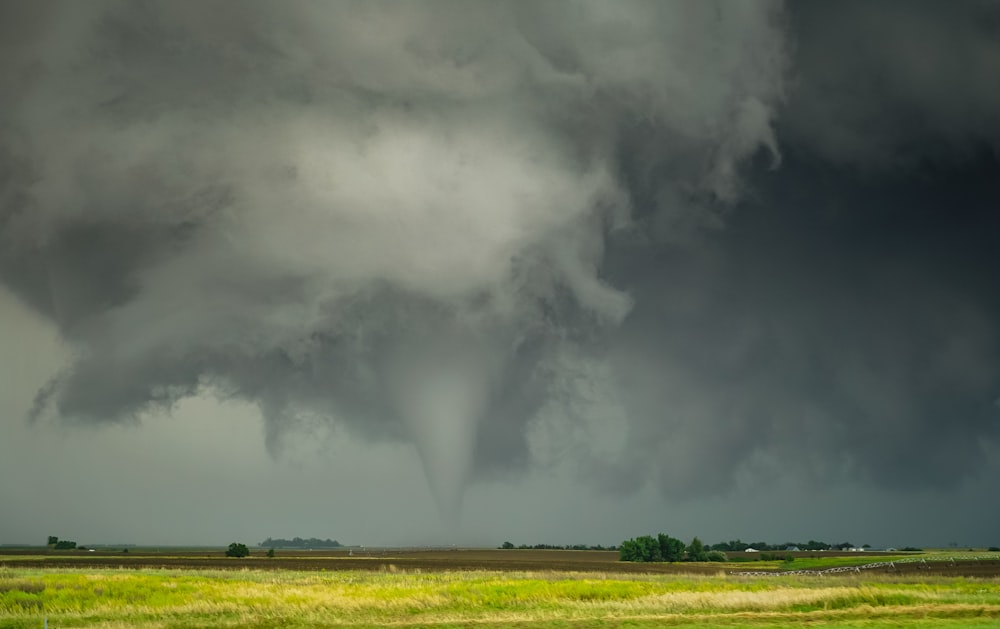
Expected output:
(259, 598)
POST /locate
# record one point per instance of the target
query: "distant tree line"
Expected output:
(60, 544)
(738, 546)
(510, 546)
(298, 542)
(666, 548)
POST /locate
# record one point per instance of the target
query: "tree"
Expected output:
(628, 551)
(507, 546)
(270, 553)
(644, 548)
(237, 550)
(696, 551)
(649, 546)
(53, 540)
(671, 548)
(733, 545)
(298, 542)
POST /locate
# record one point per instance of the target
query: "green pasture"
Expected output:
(821, 561)
(262, 598)
(814, 562)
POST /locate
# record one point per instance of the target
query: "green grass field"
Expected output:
(266, 598)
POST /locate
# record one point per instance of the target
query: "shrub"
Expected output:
(237, 550)
(994, 549)
(716, 555)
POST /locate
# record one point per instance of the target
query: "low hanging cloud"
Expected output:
(393, 218)
(642, 239)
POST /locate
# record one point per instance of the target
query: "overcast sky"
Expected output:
(466, 272)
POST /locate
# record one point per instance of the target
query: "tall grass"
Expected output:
(258, 598)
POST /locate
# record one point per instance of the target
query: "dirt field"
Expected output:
(441, 560)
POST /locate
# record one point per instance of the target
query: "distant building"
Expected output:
(751, 550)
(793, 549)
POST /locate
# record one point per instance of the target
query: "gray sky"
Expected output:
(464, 272)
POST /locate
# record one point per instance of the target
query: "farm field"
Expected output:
(434, 588)
(938, 563)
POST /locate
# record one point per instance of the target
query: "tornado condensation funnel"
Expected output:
(441, 391)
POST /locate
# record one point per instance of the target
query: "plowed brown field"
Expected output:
(437, 560)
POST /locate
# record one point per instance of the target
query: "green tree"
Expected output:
(696, 551)
(671, 548)
(53, 540)
(644, 548)
(507, 546)
(237, 550)
(628, 551)
(650, 548)
(270, 553)
(733, 545)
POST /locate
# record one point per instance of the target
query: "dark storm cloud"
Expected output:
(390, 217)
(887, 84)
(843, 322)
(611, 235)
(838, 325)
(819, 341)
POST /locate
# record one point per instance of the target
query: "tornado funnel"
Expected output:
(441, 390)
